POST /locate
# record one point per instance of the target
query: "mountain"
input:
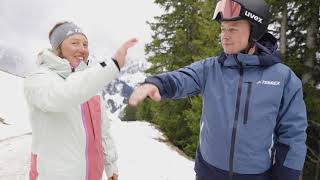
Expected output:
(13, 61)
(117, 92)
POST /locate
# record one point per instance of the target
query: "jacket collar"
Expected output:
(266, 54)
(62, 67)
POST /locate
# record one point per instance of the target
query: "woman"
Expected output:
(70, 130)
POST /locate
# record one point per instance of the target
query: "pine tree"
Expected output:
(184, 34)
(298, 21)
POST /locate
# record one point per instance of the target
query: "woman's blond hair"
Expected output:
(57, 50)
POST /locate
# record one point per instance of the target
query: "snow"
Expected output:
(143, 153)
(139, 77)
(13, 108)
(117, 99)
(15, 158)
(136, 67)
(143, 156)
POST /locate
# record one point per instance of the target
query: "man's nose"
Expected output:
(225, 36)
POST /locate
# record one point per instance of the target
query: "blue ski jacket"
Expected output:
(252, 111)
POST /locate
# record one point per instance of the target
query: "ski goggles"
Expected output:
(227, 10)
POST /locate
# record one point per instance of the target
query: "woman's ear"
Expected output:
(58, 51)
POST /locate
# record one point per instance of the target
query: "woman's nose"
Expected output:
(83, 48)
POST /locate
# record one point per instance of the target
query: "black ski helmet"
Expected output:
(255, 11)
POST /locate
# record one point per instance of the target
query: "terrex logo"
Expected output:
(253, 16)
(272, 83)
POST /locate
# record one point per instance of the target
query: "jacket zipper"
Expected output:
(94, 135)
(246, 109)
(235, 122)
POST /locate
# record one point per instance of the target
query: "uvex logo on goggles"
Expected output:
(253, 16)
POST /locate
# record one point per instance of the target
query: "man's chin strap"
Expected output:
(250, 49)
(251, 43)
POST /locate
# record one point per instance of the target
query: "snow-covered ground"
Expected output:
(142, 153)
(13, 108)
(143, 156)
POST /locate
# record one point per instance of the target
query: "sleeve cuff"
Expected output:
(284, 173)
(155, 81)
(104, 64)
(111, 169)
(116, 62)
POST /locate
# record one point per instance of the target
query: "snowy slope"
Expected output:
(142, 153)
(143, 156)
(13, 108)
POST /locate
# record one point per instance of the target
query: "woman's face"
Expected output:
(75, 49)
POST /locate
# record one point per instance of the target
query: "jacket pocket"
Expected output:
(246, 108)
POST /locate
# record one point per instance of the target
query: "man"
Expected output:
(253, 118)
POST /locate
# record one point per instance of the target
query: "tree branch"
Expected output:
(313, 153)
(314, 123)
(312, 160)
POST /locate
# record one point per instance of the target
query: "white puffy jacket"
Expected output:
(70, 129)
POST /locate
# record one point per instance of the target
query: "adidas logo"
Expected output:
(74, 31)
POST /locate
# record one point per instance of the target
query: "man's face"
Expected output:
(234, 36)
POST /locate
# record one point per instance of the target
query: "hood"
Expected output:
(61, 66)
(266, 54)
